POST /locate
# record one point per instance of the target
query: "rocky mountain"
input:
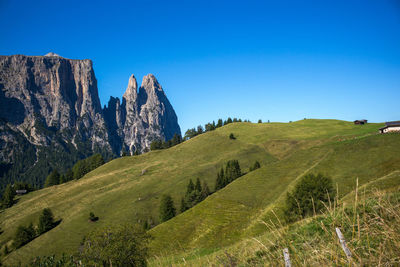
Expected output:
(141, 117)
(50, 116)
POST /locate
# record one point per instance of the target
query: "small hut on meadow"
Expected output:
(391, 126)
(360, 122)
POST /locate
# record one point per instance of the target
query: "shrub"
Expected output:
(308, 197)
(23, 235)
(231, 136)
(255, 166)
(93, 217)
(65, 261)
(5, 250)
(121, 245)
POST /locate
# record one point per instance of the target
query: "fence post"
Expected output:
(343, 243)
(286, 257)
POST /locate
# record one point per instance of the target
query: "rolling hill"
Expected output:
(121, 191)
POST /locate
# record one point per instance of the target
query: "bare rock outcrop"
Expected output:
(142, 116)
(50, 103)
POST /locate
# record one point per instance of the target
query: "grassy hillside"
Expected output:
(118, 192)
(313, 241)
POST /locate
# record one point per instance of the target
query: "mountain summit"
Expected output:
(50, 108)
(141, 117)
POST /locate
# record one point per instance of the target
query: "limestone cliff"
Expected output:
(50, 103)
(141, 117)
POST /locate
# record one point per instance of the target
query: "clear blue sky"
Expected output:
(274, 60)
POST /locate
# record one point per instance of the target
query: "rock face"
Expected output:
(141, 117)
(52, 103)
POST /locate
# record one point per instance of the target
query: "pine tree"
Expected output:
(23, 235)
(146, 225)
(31, 231)
(95, 161)
(177, 139)
(167, 208)
(190, 133)
(198, 185)
(183, 205)
(69, 175)
(62, 179)
(205, 192)
(156, 144)
(8, 196)
(220, 123)
(52, 179)
(229, 120)
(79, 169)
(190, 187)
(219, 183)
(255, 166)
(200, 129)
(232, 171)
(46, 221)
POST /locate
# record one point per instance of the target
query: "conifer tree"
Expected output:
(23, 235)
(96, 161)
(167, 208)
(46, 221)
(62, 179)
(52, 179)
(232, 171)
(220, 123)
(255, 166)
(8, 196)
(177, 139)
(146, 225)
(205, 192)
(79, 169)
(200, 129)
(69, 175)
(229, 120)
(220, 180)
(190, 187)
(198, 185)
(183, 205)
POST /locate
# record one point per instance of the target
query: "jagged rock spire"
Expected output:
(131, 90)
(147, 114)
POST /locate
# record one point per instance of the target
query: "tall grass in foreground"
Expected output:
(371, 228)
(370, 225)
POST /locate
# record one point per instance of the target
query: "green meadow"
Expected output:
(129, 189)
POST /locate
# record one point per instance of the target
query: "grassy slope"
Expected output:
(237, 211)
(118, 192)
(313, 241)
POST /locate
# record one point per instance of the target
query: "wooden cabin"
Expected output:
(360, 122)
(391, 126)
